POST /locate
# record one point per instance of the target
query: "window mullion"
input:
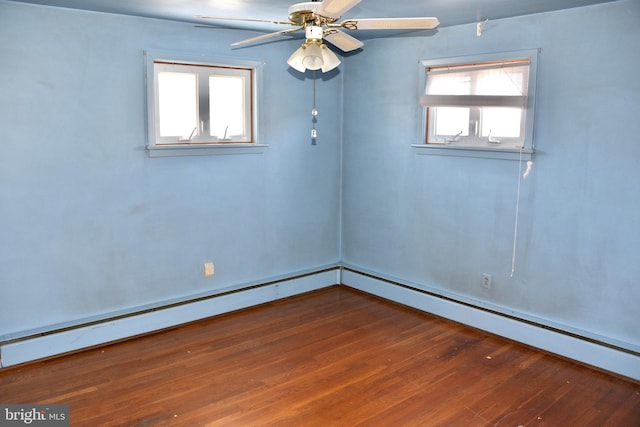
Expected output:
(203, 104)
(474, 122)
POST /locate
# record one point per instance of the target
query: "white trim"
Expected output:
(53, 344)
(204, 150)
(479, 152)
(566, 345)
(461, 150)
(163, 150)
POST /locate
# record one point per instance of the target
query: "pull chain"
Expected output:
(314, 111)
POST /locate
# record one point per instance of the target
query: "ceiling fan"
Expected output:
(319, 20)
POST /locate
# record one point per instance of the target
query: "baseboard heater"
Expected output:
(61, 340)
(618, 358)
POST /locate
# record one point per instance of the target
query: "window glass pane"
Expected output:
(501, 122)
(493, 79)
(227, 106)
(177, 104)
(449, 84)
(507, 81)
(452, 121)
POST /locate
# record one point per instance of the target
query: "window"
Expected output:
(200, 106)
(480, 106)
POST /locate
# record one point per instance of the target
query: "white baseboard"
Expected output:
(601, 356)
(47, 345)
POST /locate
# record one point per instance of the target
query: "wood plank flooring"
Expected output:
(335, 357)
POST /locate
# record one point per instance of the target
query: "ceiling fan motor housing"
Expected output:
(301, 13)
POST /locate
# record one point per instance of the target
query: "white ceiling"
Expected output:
(450, 12)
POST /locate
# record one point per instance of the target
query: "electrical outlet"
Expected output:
(208, 269)
(486, 281)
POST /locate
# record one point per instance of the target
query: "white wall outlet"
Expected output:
(208, 269)
(486, 281)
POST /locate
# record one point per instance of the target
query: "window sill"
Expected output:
(204, 150)
(479, 152)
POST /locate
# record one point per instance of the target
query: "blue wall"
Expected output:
(440, 222)
(91, 225)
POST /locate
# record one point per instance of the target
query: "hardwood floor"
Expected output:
(334, 357)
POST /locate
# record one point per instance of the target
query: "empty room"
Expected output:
(332, 213)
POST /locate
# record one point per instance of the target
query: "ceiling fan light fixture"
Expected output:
(313, 55)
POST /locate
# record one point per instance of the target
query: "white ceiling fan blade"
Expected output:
(265, 36)
(230, 18)
(343, 41)
(335, 8)
(391, 24)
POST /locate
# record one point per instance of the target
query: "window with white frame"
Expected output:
(480, 103)
(198, 104)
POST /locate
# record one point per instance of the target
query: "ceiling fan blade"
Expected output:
(265, 36)
(335, 8)
(423, 23)
(231, 18)
(343, 41)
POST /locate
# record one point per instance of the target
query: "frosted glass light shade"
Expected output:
(313, 56)
(329, 58)
(295, 60)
